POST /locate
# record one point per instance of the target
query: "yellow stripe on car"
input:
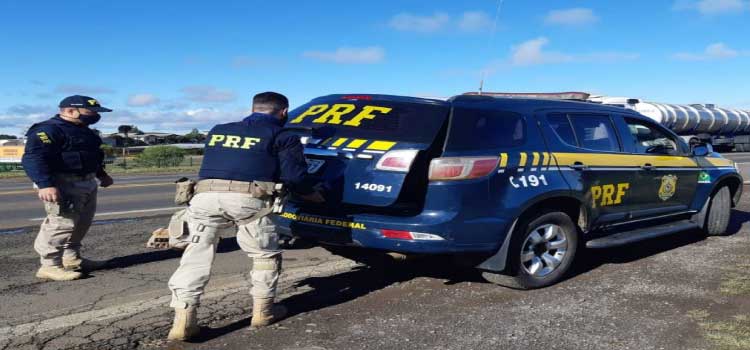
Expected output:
(622, 160)
(719, 161)
(503, 160)
(535, 160)
(339, 142)
(522, 161)
(381, 145)
(357, 143)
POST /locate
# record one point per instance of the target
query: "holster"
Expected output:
(178, 230)
(185, 191)
(274, 192)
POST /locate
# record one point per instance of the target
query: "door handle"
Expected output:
(647, 166)
(578, 166)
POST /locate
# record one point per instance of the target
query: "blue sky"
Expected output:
(175, 65)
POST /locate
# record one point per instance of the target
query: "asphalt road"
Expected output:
(130, 196)
(739, 157)
(678, 292)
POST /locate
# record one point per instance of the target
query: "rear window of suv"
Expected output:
(592, 132)
(475, 129)
(371, 119)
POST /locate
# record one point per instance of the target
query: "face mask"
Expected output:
(89, 119)
(285, 119)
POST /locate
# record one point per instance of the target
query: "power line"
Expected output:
(491, 42)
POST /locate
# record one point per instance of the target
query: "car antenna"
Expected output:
(490, 42)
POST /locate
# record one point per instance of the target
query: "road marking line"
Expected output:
(111, 187)
(124, 212)
(240, 285)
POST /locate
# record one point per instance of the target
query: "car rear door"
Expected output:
(366, 149)
(589, 155)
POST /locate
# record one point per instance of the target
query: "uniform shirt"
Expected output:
(57, 146)
(256, 149)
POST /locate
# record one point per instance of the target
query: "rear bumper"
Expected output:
(459, 235)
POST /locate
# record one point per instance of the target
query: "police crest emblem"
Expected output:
(668, 187)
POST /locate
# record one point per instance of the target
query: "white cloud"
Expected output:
(474, 21)
(571, 17)
(407, 22)
(208, 94)
(712, 7)
(349, 55)
(469, 21)
(140, 100)
(88, 90)
(532, 52)
(182, 120)
(715, 51)
(18, 118)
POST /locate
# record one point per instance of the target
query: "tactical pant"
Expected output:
(208, 214)
(62, 230)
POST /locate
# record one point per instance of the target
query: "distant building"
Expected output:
(149, 138)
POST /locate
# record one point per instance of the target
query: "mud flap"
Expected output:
(497, 262)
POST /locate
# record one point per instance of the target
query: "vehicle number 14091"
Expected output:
(372, 187)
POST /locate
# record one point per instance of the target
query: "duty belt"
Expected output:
(217, 185)
(75, 177)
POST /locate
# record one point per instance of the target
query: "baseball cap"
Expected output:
(78, 101)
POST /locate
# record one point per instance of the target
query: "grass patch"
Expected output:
(154, 170)
(735, 284)
(736, 281)
(733, 334)
(121, 171)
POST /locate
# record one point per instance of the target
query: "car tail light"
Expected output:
(462, 168)
(407, 235)
(399, 160)
(396, 234)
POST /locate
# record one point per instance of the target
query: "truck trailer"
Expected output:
(726, 129)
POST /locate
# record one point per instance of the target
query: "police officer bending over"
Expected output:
(242, 162)
(63, 158)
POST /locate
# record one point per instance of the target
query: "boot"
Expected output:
(57, 273)
(185, 325)
(81, 264)
(265, 312)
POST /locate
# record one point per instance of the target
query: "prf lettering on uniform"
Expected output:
(232, 141)
(606, 195)
(334, 114)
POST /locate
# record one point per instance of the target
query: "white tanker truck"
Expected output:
(726, 129)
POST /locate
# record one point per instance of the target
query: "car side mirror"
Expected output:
(702, 150)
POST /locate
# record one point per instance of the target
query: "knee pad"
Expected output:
(267, 264)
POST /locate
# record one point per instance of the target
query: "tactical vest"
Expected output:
(80, 153)
(241, 151)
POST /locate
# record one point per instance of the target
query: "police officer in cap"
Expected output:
(63, 158)
(242, 163)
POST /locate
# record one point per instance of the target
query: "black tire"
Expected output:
(520, 275)
(719, 211)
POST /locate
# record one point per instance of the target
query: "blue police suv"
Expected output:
(523, 184)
